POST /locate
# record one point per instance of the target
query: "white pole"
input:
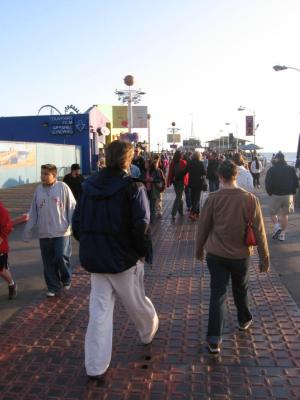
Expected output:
(254, 127)
(129, 112)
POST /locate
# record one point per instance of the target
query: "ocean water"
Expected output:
(290, 158)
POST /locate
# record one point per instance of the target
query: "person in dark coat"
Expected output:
(111, 222)
(281, 184)
(178, 178)
(197, 182)
(212, 172)
(74, 180)
(138, 160)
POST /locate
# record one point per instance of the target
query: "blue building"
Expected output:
(86, 131)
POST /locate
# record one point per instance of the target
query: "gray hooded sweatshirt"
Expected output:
(50, 212)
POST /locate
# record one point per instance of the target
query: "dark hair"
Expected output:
(119, 154)
(177, 156)
(238, 159)
(279, 158)
(75, 167)
(50, 167)
(227, 170)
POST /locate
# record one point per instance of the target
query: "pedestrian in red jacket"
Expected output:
(178, 178)
(6, 226)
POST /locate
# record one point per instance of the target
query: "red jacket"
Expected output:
(182, 165)
(5, 228)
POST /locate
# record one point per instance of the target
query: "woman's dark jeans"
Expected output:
(221, 269)
(256, 177)
(178, 202)
(195, 197)
(188, 200)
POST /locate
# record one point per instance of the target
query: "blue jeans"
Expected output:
(56, 253)
(213, 185)
(221, 269)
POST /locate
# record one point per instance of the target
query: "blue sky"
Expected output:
(196, 60)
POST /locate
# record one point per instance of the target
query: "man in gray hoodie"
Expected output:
(51, 214)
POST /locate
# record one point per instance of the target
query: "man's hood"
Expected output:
(106, 183)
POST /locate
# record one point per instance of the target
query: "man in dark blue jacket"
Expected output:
(111, 221)
(281, 184)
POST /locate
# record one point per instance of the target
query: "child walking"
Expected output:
(6, 226)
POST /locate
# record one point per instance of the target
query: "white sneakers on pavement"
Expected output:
(277, 232)
(281, 236)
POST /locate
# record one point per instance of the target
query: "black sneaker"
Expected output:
(97, 378)
(246, 325)
(214, 348)
(12, 291)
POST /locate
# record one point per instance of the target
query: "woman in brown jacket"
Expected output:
(222, 229)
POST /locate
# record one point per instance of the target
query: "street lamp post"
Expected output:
(242, 108)
(129, 96)
(173, 130)
(281, 68)
(235, 126)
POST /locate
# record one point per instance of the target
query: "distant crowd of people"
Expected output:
(110, 213)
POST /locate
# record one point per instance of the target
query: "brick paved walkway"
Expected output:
(42, 346)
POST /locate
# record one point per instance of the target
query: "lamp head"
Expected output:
(279, 67)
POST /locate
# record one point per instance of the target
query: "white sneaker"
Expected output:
(277, 232)
(281, 236)
(148, 339)
(50, 294)
(67, 286)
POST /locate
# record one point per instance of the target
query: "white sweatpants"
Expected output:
(129, 285)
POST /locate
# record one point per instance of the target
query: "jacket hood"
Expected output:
(106, 183)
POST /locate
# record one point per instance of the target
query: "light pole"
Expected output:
(129, 96)
(242, 108)
(281, 68)
(235, 125)
(173, 130)
(148, 126)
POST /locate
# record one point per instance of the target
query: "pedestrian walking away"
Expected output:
(51, 215)
(212, 175)
(155, 183)
(197, 182)
(178, 178)
(256, 169)
(222, 226)
(281, 184)
(244, 178)
(111, 222)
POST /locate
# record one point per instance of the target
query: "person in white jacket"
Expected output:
(256, 168)
(51, 215)
(244, 178)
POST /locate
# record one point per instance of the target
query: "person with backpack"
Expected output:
(111, 222)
